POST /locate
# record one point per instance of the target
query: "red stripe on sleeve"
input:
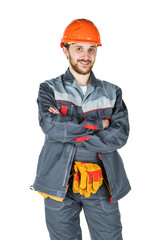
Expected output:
(91, 127)
(64, 110)
(80, 139)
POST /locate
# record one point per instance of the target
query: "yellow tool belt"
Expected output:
(87, 178)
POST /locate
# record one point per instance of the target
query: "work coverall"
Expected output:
(77, 134)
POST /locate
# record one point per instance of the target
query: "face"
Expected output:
(81, 56)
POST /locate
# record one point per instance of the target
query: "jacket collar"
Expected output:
(69, 77)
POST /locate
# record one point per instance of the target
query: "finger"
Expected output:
(55, 108)
(107, 122)
(52, 110)
(57, 111)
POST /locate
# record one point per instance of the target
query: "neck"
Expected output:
(82, 80)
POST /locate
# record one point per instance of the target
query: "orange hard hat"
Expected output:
(81, 30)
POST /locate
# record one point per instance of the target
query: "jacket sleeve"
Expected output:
(116, 135)
(57, 127)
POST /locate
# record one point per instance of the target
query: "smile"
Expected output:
(84, 63)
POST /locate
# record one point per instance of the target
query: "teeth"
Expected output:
(84, 63)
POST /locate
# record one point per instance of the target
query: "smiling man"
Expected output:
(85, 121)
(81, 57)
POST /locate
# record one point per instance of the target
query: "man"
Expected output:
(85, 121)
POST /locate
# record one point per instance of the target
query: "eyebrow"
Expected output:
(94, 46)
(83, 46)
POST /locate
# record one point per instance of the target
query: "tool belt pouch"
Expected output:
(87, 178)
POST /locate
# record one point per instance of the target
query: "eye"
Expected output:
(92, 50)
(79, 49)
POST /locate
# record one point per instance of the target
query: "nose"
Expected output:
(85, 55)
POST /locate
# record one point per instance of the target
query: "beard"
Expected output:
(83, 70)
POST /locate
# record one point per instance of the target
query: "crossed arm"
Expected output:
(107, 138)
(54, 110)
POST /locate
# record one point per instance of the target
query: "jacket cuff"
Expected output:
(93, 125)
(99, 124)
(81, 139)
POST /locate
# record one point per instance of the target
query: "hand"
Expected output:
(54, 110)
(105, 123)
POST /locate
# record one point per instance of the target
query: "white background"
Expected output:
(130, 58)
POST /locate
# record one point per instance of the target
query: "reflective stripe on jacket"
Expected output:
(79, 126)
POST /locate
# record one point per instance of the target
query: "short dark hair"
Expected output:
(66, 45)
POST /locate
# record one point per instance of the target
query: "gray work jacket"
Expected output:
(80, 125)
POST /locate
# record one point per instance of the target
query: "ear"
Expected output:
(65, 50)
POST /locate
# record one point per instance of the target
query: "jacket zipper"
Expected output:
(109, 189)
(105, 179)
(67, 167)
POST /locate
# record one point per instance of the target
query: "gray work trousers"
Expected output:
(103, 217)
